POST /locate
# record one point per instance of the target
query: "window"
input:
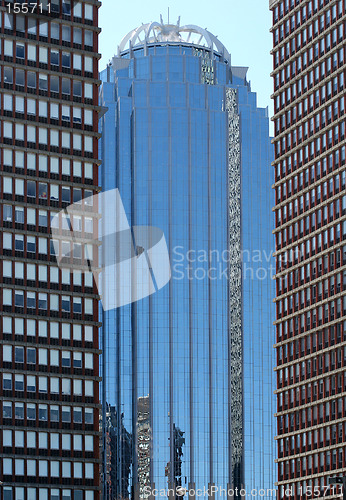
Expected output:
(66, 386)
(31, 383)
(77, 387)
(7, 409)
(7, 382)
(77, 360)
(43, 384)
(54, 57)
(7, 469)
(43, 412)
(31, 355)
(19, 411)
(31, 411)
(54, 413)
(43, 55)
(65, 303)
(89, 388)
(66, 415)
(77, 415)
(89, 416)
(19, 383)
(7, 353)
(20, 50)
(66, 60)
(66, 359)
(43, 82)
(8, 75)
(54, 385)
(19, 354)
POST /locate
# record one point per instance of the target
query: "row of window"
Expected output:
(309, 247)
(305, 12)
(47, 164)
(44, 136)
(307, 271)
(42, 55)
(44, 301)
(18, 493)
(319, 339)
(290, 327)
(45, 468)
(314, 438)
(34, 244)
(322, 314)
(45, 441)
(45, 218)
(47, 329)
(39, 244)
(319, 168)
(318, 365)
(73, 414)
(53, 32)
(30, 81)
(21, 383)
(329, 212)
(328, 460)
(316, 391)
(323, 290)
(51, 274)
(32, 356)
(310, 416)
(287, 328)
(53, 192)
(310, 174)
(44, 109)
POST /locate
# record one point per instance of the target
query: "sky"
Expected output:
(241, 25)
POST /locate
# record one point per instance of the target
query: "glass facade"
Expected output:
(187, 391)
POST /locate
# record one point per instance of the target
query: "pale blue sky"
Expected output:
(241, 25)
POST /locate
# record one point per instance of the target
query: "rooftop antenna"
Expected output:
(168, 15)
(161, 19)
(178, 23)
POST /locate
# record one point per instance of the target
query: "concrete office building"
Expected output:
(309, 99)
(49, 426)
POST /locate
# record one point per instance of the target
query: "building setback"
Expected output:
(49, 423)
(309, 99)
(188, 392)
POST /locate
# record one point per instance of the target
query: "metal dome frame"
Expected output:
(155, 32)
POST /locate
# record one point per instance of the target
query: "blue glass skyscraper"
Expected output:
(187, 372)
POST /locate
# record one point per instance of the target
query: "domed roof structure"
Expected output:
(160, 33)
